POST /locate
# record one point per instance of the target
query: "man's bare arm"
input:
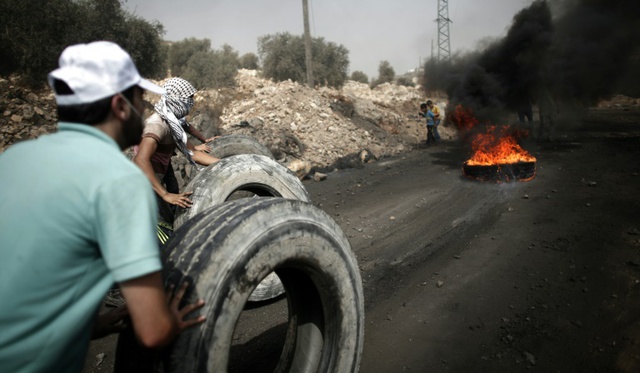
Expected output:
(200, 157)
(156, 321)
(146, 150)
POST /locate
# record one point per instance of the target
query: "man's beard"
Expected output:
(132, 130)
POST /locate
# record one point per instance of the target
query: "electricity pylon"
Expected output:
(444, 44)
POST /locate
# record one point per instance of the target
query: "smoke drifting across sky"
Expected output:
(579, 50)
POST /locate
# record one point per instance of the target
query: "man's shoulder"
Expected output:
(156, 125)
(154, 120)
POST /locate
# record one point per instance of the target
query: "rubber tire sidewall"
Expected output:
(214, 184)
(230, 248)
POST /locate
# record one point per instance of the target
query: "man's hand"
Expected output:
(112, 321)
(180, 314)
(181, 199)
(210, 139)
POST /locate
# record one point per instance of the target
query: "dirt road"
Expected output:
(466, 276)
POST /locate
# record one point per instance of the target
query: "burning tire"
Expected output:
(521, 171)
(229, 249)
(242, 176)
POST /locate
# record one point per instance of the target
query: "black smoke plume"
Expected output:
(580, 51)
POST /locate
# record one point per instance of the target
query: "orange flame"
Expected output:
(462, 118)
(497, 146)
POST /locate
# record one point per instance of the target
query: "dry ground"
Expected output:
(466, 276)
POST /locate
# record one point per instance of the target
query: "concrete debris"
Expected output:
(324, 128)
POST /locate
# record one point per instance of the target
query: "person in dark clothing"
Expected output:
(525, 112)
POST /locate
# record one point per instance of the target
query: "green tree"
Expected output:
(34, 33)
(386, 74)
(249, 61)
(330, 63)
(181, 52)
(283, 57)
(359, 76)
(209, 68)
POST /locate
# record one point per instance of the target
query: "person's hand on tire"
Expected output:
(182, 313)
(181, 199)
(203, 148)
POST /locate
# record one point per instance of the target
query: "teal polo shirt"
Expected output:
(75, 216)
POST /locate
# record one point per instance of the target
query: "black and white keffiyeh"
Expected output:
(173, 107)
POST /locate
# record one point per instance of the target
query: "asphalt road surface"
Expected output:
(462, 276)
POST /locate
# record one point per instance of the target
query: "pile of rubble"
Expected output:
(24, 114)
(619, 102)
(321, 126)
(318, 127)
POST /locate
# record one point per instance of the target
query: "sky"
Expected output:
(399, 31)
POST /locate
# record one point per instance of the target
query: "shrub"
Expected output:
(360, 77)
(386, 74)
(249, 61)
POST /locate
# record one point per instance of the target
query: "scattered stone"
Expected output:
(300, 168)
(100, 358)
(526, 196)
(319, 176)
(439, 284)
(530, 358)
(592, 183)
(457, 256)
(392, 218)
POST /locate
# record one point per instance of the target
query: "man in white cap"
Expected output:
(75, 216)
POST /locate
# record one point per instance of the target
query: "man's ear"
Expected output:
(119, 107)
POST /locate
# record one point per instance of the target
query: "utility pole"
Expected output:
(307, 43)
(444, 45)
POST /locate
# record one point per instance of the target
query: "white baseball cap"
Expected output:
(95, 71)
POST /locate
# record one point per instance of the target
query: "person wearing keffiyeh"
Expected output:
(164, 131)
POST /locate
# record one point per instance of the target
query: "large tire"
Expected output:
(521, 171)
(229, 249)
(256, 174)
(228, 145)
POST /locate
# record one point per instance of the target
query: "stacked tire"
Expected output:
(228, 247)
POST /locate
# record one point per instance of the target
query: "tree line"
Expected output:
(35, 32)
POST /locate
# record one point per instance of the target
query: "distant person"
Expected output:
(548, 109)
(428, 114)
(164, 131)
(77, 215)
(436, 113)
(525, 112)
